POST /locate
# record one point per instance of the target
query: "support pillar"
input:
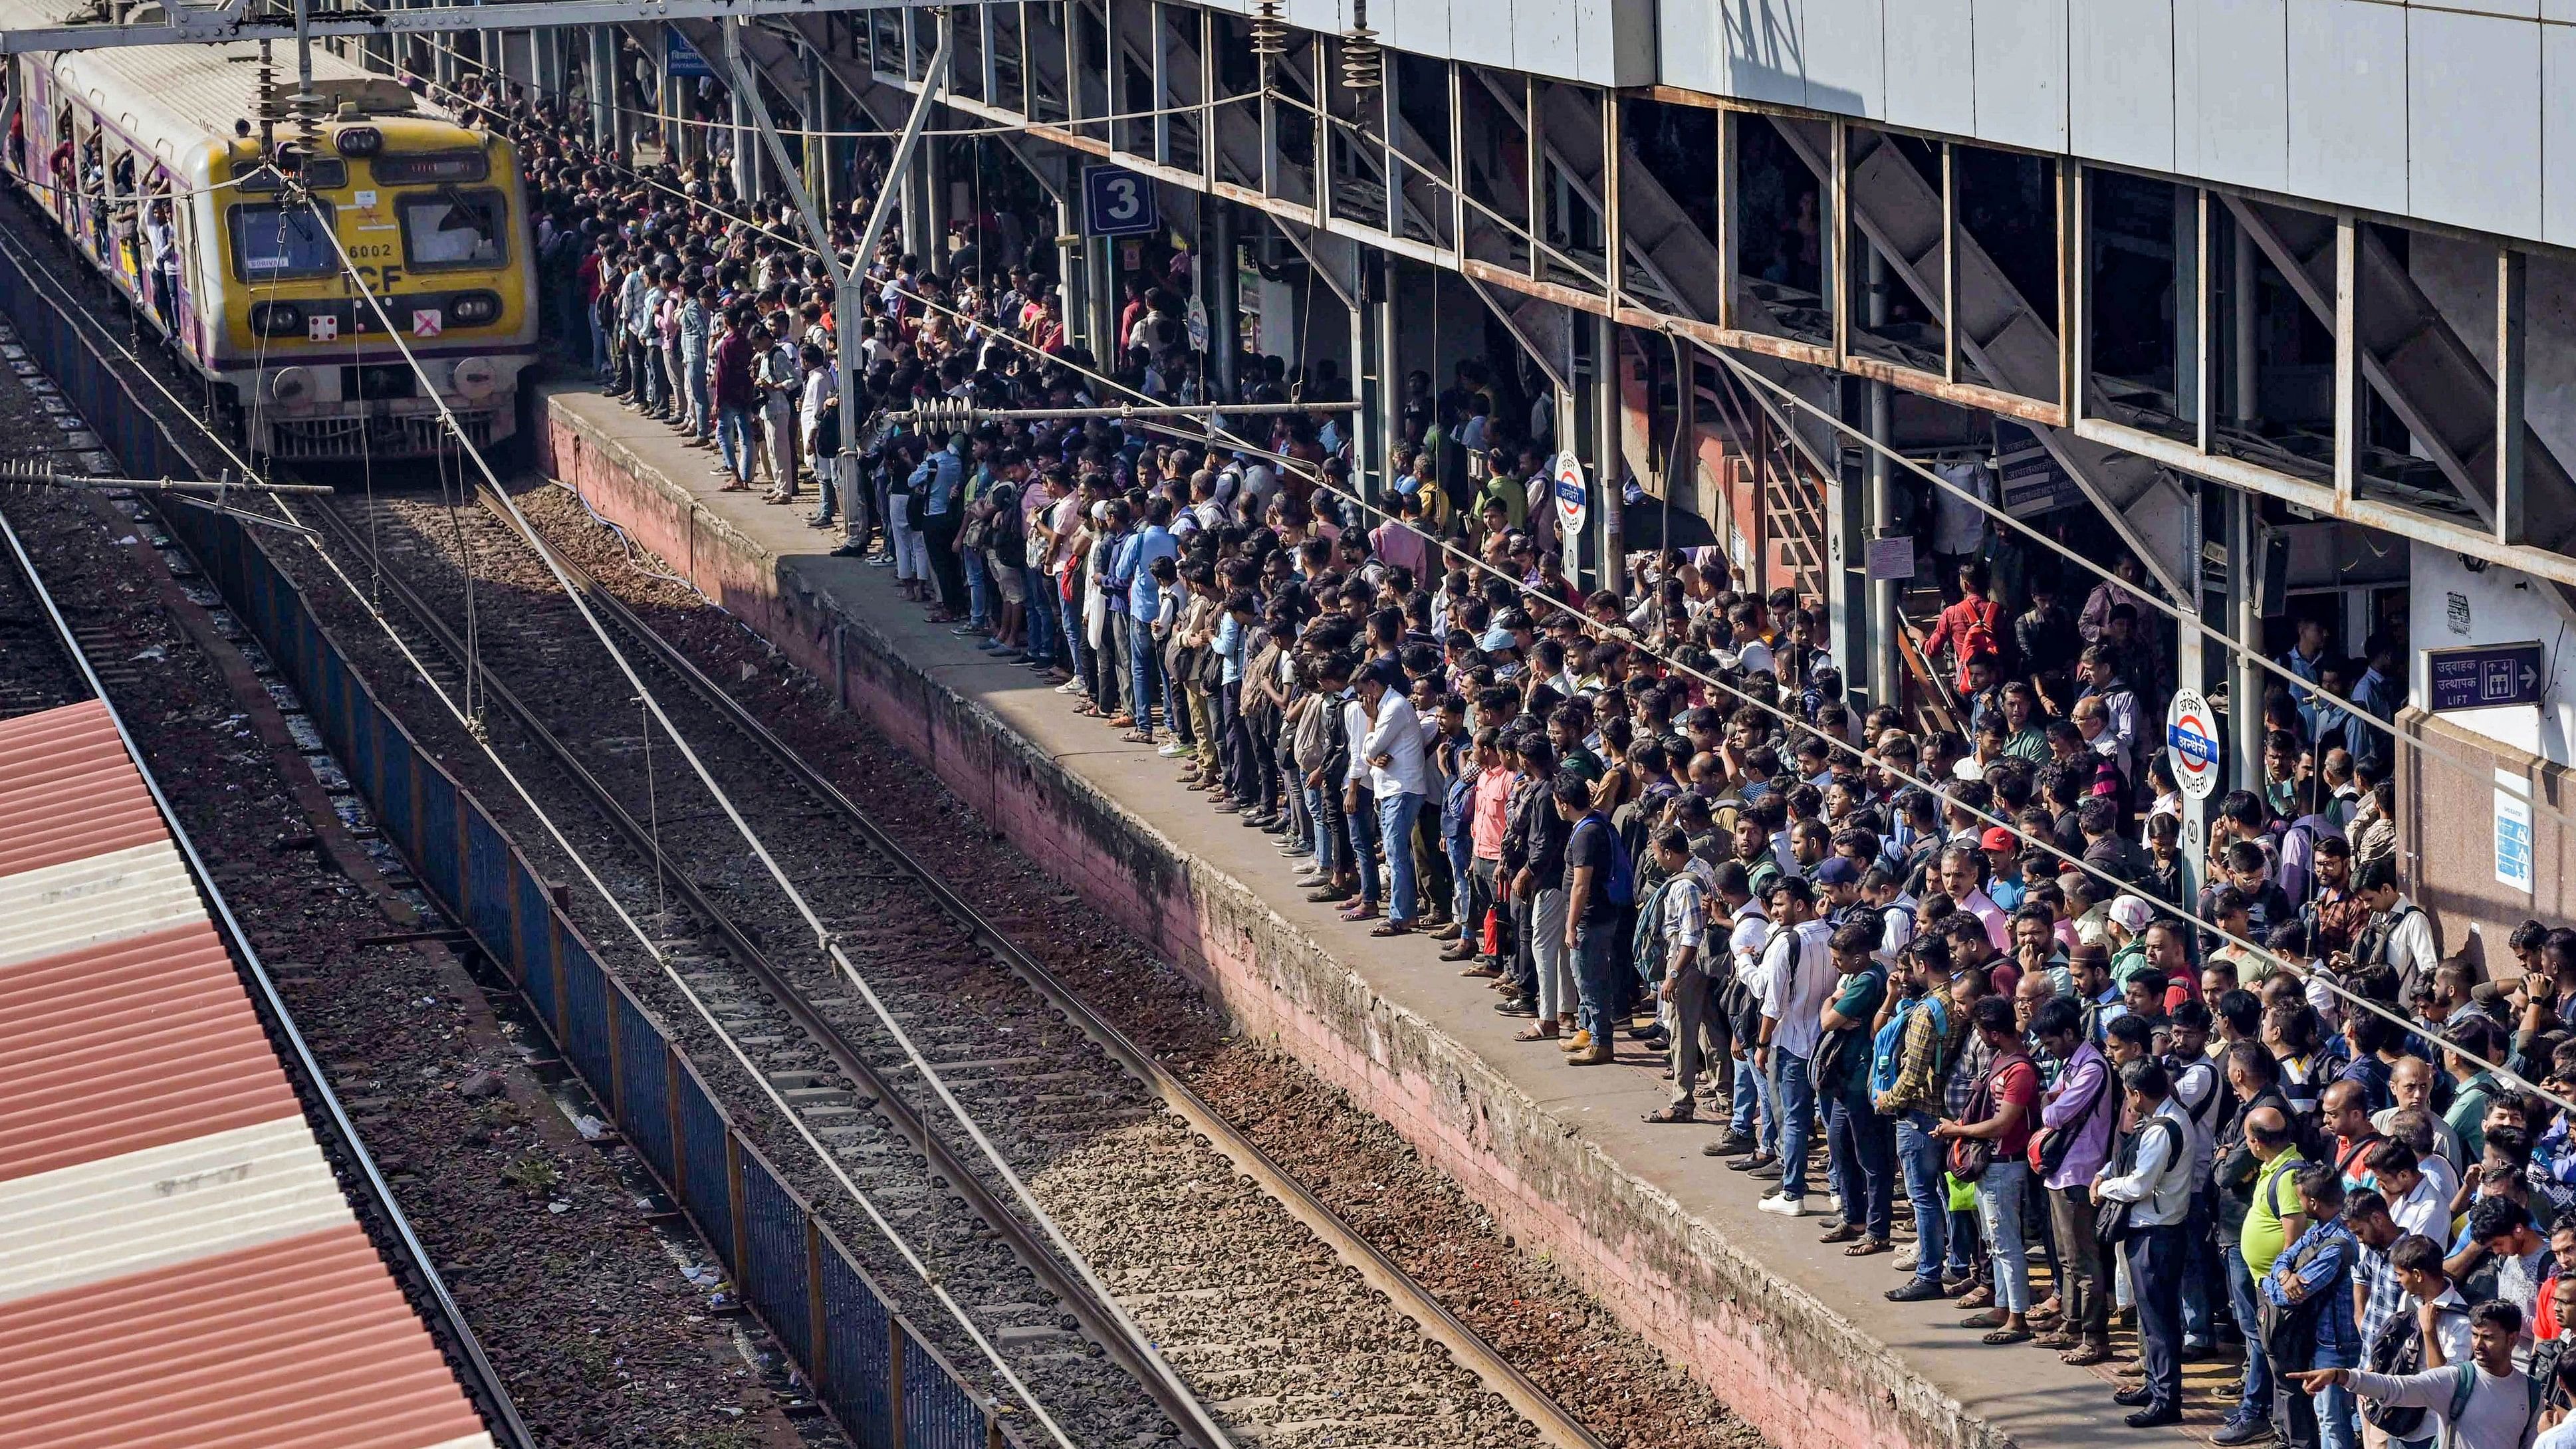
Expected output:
(934, 192)
(1225, 304)
(2203, 504)
(1384, 396)
(1611, 566)
(2246, 682)
(605, 133)
(1886, 663)
(815, 110)
(1071, 288)
(746, 158)
(1100, 300)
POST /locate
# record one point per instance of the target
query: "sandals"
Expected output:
(1672, 1114)
(2002, 1336)
(1543, 1031)
(1869, 1248)
(1137, 737)
(1844, 1234)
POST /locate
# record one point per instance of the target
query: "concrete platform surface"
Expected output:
(1796, 1337)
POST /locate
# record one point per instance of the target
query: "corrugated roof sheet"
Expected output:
(178, 1266)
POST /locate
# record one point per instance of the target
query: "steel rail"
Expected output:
(1024, 1243)
(498, 1409)
(1464, 1344)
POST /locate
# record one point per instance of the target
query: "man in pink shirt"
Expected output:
(1489, 815)
(1399, 540)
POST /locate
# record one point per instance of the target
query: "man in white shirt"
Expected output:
(1391, 755)
(1797, 974)
(2157, 1180)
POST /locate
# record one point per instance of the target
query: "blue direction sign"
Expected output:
(2487, 675)
(681, 58)
(1118, 202)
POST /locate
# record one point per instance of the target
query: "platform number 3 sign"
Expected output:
(1118, 202)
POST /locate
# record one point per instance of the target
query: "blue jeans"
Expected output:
(1462, 878)
(1861, 1152)
(2200, 1257)
(1999, 1195)
(695, 370)
(1926, 1188)
(1797, 1103)
(1362, 824)
(733, 435)
(1598, 991)
(1754, 1093)
(1320, 823)
(1040, 615)
(1395, 826)
(979, 591)
(1142, 674)
(2257, 1400)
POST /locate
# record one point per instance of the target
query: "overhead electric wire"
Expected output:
(70, 307)
(825, 939)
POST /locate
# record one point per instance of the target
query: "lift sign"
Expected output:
(2191, 730)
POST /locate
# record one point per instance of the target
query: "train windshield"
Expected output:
(452, 228)
(274, 241)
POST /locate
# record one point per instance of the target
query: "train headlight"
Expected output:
(475, 377)
(474, 309)
(291, 384)
(276, 319)
(359, 140)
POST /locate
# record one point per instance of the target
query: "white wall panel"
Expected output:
(1615, 42)
(1846, 60)
(2021, 72)
(2517, 9)
(1481, 32)
(2120, 82)
(1687, 52)
(1763, 43)
(1543, 36)
(2473, 121)
(2348, 102)
(1332, 15)
(2231, 91)
(2558, 10)
(2558, 135)
(1420, 26)
(1931, 84)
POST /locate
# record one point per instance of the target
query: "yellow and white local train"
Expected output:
(148, 158)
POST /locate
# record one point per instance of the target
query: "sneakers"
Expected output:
(1781, 1204)
(1176, 750)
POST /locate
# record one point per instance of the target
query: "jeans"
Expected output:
(1793, 1079)
(733, 435)
(1362, 824)
(1143, 658)
(1395, 826)
(1925, 1187)
(1462, 879)
(1599, 993)
(695, 370)
(2155, 1280)
(1860, 1150)
(1040, 615)
(1754, 1095)
(2257, 1400)
(1553, 964)
(2199, 1264)
(1999, 1195)
(979, 592)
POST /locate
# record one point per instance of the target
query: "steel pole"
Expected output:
(845, 293)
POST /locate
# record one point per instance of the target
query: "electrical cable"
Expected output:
(71, 308)
(1795, 724)
(825, 939)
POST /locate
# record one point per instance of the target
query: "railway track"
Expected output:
(1282, 1324)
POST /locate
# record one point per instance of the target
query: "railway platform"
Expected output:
(1794, 1336)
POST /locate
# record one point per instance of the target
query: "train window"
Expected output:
(452, 228)
(431, 167)
(272, 242)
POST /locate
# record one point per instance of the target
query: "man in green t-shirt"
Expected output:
(1859, 1143)
(2472, 1065)
(2273, 1220)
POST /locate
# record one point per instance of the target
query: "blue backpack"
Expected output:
(1622, 885)
(1887, 1049)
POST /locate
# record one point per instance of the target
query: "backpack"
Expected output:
(1978, 638)
(1621, 887)
(1887, 1049)
(2399, 1350)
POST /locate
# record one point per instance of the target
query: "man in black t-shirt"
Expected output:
(1595, 878)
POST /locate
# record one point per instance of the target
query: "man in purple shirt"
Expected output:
(731, 367)
(2078, 1115)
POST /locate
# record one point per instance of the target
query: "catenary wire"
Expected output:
(825, 938)
(71, 307)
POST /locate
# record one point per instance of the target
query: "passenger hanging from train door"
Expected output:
(161, 240)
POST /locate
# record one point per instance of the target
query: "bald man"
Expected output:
(2410, 1085)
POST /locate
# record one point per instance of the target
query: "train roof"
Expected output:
(177, 1261)
(172, 97)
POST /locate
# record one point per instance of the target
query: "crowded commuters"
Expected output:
(1944, 977)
